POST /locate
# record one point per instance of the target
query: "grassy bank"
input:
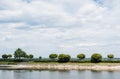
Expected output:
(74, 60)
(52, 62)
(56, 63)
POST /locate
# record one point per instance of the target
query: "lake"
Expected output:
(54, 74)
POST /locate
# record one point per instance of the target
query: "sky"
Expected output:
(42, 27)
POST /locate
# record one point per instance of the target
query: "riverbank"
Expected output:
(64, 66)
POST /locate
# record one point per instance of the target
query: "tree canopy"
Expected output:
(40, 57)
(110, 56)
(19, 53)
(53, 56)
(30, 56)
(4, 56)
(96, 57)
(81, 56)
(64, 57)
(9, 55)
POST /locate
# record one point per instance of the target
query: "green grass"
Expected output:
(8, 63)
(68, 63)
(56, 63)
(83, 62)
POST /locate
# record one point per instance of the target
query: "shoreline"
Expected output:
(65, 66)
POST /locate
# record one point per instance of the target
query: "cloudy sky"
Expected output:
(41, 27)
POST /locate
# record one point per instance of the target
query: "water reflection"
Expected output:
(54, 74)
(96, 74)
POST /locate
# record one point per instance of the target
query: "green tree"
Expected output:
(30, 56)
(96, 57)
(9, 56)
(40, 57)
(4, 56)
(26, 56)
(53, 56)
(110, 56)
(19, 53)
(64, 58)
(81, 56)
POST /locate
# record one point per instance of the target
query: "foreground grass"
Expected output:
(8, 63)
(56, 63)
(69, 63)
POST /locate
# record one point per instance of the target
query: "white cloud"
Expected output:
(79, 44)
(66, 26)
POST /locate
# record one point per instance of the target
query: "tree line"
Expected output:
(20, 54)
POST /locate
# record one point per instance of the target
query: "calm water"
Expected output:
(26, 74)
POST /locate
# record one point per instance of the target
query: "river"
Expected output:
(54, 74)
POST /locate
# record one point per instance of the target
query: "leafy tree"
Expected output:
(26, 56)
(96, 57)
(9, 55)
(64, 57)
(4, 56)
(53, 56)
(30, 56)
(19, 53)
(81, 56)
(110, 56)
(40, 57)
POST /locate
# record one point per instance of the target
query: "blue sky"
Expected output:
(41, 27)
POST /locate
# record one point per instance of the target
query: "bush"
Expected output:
(110, 56)
(30, 56)
(18, 60)
(64, 58)
(4, 56)
(9, 55)
(53, 56)
(40, 57)
(81, 56)
(96, 57)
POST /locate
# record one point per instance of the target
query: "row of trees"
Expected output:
(80, 56)
(96, 57)
(5, 56)
(20, 54)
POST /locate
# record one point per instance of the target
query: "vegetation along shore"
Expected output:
(21, 60)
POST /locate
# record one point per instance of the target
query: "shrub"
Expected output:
(110, 56)
(30, 56)
(63, 58)
(81, 56)
(40, 57)
(9, 55)
(53, 56)
(96, 57)
(4, 56)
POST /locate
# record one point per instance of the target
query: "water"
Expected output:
(72, 74)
